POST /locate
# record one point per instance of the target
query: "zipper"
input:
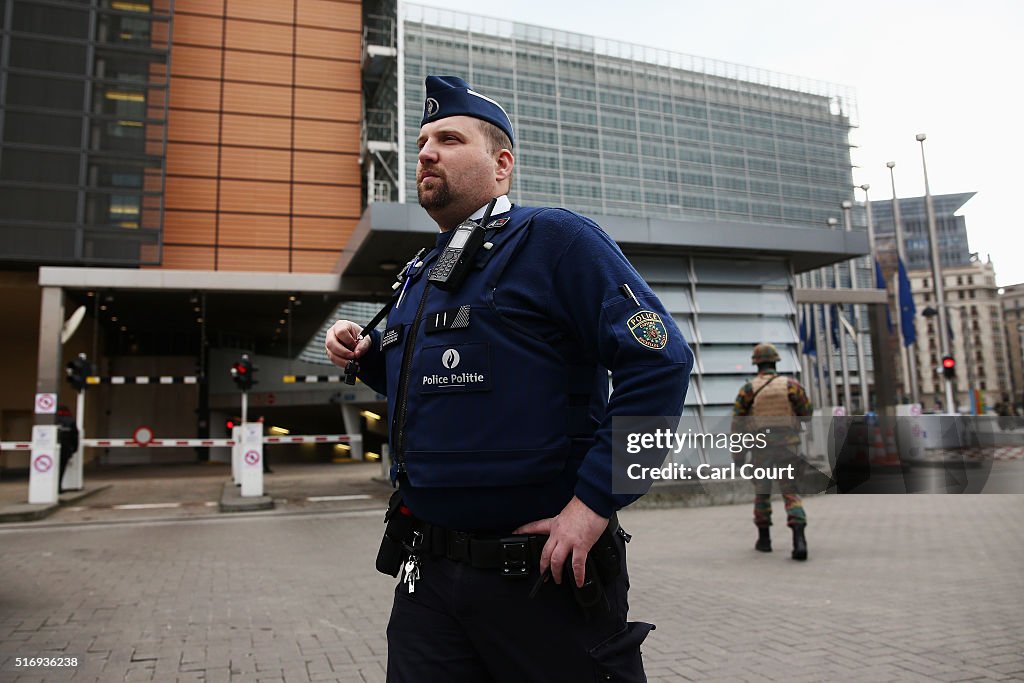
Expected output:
(403, 383)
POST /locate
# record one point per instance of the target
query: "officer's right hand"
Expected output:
(343, 343)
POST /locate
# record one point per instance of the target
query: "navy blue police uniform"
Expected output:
(499, 408)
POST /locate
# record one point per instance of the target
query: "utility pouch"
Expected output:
(590, 596)
(605, 554)
(397, 532)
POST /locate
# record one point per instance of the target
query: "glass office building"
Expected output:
(614, 130)
(951, 229)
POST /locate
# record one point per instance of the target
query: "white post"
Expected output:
(355, 445)
(908, 359)
(236, 455)
(252, 459)
(44, 465)
(385, 461)
(940, 288)
(862, 373)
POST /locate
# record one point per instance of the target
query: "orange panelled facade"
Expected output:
(263, 134)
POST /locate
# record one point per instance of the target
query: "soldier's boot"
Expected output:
(799, 542)
(764, 539)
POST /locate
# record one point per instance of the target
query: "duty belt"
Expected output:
(515, 555)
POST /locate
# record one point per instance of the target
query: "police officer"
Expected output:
(67, 438)
(770, 403)
(500, 420)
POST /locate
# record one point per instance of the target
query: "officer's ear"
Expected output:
(504, 162)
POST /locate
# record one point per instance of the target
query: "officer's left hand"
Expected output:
(574, 531)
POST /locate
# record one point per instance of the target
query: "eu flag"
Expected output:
(907, 308)
(835, 327)
(809, 335)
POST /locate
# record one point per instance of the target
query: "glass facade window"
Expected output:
(82, 131)
(662, 138)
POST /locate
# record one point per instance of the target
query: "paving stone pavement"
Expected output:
(897, 588)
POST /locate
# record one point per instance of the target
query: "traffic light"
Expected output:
(229, 425)
(948, 367)
(78, 370)
(243, 373)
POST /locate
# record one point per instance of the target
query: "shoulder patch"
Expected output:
(498, 222)
(648, 329)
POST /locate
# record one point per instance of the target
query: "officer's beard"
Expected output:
(437, 198)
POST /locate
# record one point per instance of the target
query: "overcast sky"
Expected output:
(948, 69)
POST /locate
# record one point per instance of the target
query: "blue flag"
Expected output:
(835, 327)
(880, 284)
(811, 347)
(907, 309)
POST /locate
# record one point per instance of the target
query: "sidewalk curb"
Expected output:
(231, 500)
(30, 512)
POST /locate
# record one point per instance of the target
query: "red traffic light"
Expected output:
(230, 424)
(948, 362)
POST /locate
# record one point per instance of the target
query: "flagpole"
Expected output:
(908, 359)
(940, 286)
(862, 372)
(811, 331)
(811, 363)
(805, 361)
(844, 361)
(830, 361)
(819, 378)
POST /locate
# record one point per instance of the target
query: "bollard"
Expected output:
(252, 459)
(44, 465)
(236, 455)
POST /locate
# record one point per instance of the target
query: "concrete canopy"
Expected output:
(388, 234)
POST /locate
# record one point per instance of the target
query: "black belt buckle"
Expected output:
(515, 556)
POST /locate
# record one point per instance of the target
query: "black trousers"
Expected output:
(466, 625)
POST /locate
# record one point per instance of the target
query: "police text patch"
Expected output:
(648, 329)
(391, 336)
(454, 368)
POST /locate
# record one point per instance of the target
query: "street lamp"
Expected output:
(832, 222)
(940, 289)
(908, 359)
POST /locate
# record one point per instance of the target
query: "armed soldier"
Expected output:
(772, 404)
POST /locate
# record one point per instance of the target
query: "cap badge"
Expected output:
(431, 107)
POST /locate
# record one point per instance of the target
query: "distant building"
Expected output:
(952, 229)
(977, 342)
(1012, 299)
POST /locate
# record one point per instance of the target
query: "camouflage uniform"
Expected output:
(775, 396)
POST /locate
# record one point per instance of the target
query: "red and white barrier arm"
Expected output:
(321, 438)
(162, 443)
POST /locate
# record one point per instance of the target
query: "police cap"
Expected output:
(452, 96)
